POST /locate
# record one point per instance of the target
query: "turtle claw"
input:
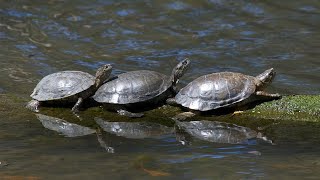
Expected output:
(129, 114)
(75, 110)
(77, 115)
(33, 105)
(237, 113)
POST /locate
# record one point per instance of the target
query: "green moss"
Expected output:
(290, 119)
(289, 132)
(298, 107)
(295, 104)
(292, 108)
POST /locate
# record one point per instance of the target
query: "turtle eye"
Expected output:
(185, 62)
(107, 66)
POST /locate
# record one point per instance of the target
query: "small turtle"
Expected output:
(68, 86)
(139, 88)
(224, 89)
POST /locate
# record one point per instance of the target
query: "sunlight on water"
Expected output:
(41, 37)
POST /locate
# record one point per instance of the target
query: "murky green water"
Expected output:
(41, 37)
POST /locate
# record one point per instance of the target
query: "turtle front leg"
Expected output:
(75, 108)
(183, 116)
(102, 143)
(267, 96)
(33, 105)
(123, 112)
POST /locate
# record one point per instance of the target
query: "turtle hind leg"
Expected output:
(267, 96)
(33, 105)
(123, 112)
(171, 102)
(183, 116)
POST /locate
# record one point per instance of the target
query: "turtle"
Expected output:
(67, 87)
(224, 90)
(141, 88)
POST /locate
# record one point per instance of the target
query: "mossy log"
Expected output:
(293, 108)
(285, 120)
(297, 107)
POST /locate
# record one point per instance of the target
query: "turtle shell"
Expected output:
(61, 85)
(216, 90)
(133, 87)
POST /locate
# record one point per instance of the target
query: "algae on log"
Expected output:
(273, 117)
(295, 107)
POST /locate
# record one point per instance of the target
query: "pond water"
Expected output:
(41, 37)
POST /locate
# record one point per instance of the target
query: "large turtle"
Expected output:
(136, 88)
(224, 89)
(68, 87)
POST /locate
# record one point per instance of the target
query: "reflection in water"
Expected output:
(218, 132)
(63, 127)
(41, 37)
(134, 130)
(71, 130)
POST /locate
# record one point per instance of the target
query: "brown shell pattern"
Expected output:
(216, 90)
(62, 84)
(132, 87)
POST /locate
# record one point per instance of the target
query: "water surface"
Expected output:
(41, 37)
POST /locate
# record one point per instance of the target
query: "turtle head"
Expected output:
(179, 70)
(265, 78)
(102, 74)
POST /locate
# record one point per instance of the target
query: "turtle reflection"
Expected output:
(214, 131)
(68, 129)
(63, 127)
(134, 130)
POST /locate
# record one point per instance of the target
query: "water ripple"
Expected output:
(125, 12)
(178, 5)
(57, 30)
(16, 13)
